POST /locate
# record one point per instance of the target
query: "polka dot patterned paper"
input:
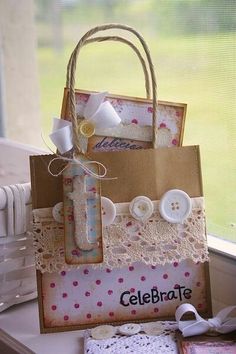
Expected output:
(88, 296)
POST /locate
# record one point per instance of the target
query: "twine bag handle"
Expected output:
(71, 77)
(115, 39)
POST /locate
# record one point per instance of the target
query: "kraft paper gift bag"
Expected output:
(119, 235)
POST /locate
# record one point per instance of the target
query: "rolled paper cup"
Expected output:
(105, 117)
(93, 104)
(62, 139)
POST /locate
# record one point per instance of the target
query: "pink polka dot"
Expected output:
(166, 298)
(74, 252)
(143, 278)
(165, 276)
(87, 293)
(186, 274)
(86, 271)
(98, 282)
(108, 270)
(110, 292)
(111, 314)
(175, 264)
(135, 121)
(129, 223)
(75, 283)
(155, 287)
(132, 290)
(198, 283)
(131, 268)
(64, 295)
(133, 312)
(88, 315)
(53, 307)
(174, 142)
(150, 109)
(176, 286)
(99, 303)
(120, 280)
(63, 273)
(163, 125)
(178, 114)
(66, 318)
(156, 309)
(52, 285)
(70, 218)
(76, 306)
(153, 267)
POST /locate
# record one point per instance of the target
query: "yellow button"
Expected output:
(86, 128)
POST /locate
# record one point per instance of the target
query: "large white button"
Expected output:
(175, 206)
(58, 212)
(129, 329)
(141, 208)
(153, 328)
(108, 211)
(103, 332)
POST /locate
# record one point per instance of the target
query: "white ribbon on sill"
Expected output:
(101, 114)
(221, 323)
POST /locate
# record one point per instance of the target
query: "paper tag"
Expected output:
(82, 216)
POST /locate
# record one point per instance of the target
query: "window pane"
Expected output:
(193, 47)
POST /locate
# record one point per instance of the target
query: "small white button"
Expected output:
(141, 208)
(175, 206)
(108, 211)
(153, 329)
(58, 212)
(129, 329)
(103, 332)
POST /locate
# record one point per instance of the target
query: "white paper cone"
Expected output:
(105, 117)
(62, 138)
(93, 103)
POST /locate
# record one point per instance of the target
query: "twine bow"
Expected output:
(221, 323)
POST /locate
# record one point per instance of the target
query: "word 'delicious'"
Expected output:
(114, 144)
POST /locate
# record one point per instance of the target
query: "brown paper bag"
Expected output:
(149, 266)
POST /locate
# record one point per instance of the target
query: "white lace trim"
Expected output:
(127, 240)
(164, 343)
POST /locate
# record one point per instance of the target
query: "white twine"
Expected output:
(83, 164)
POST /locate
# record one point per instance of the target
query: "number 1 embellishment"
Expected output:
(82, 215)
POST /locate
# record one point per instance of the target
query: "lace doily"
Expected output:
(139, 343)
(127, 240)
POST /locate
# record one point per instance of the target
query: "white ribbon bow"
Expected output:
(100, 113)
(220, 323)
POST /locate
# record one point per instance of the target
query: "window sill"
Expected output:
(222, 247)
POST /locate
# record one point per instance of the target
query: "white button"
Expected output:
(153, 328)
(108, 211)
(103, 332)
(58, 212)
(130, 329)
(175, 206)
(141, 208)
